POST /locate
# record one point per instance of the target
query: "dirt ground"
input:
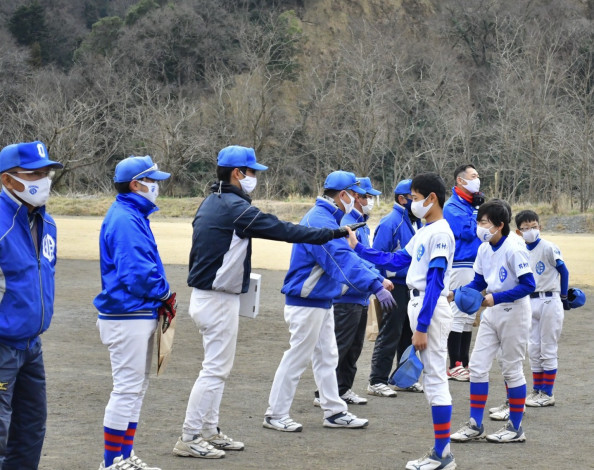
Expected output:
(79, 382)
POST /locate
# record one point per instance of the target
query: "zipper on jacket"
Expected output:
(40, 278)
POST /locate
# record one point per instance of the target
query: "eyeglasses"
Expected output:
(155, 167)
(37, 174)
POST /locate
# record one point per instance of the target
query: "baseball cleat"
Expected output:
(118, 464)
(380, 390)
(416, 388)
(507, 434)
(138, 463)
(430, 461)
(197, 447)
(345, 420)
(469, 432)
(285, 424)
(499, 408)
(540, 399)
(223, 442)
(351, 398)
(501, 413)
(459, 373)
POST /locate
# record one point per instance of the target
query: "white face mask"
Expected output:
(153, 191)
(472, 186)
(484, 234)
(369, 207)
(36, 192)
(418, 209)
(531, 235)
(248, 184)
(349, 207)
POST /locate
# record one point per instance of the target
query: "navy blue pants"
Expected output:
(393, 338)
(23, 407)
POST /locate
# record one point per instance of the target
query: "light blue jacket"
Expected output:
(26, 278)
(133, 280)
(318, 273)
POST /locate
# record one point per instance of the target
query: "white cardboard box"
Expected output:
(249, 303)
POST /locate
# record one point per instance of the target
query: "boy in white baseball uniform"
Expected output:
(503, 269)
(429, 256)
(548, 302)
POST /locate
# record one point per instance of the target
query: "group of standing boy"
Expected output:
(415, 273)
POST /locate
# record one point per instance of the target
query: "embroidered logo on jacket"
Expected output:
(49, 247)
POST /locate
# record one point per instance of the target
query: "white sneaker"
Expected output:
(469, 432)
(317, 402)
(223, 442)
(507, 434)
(459, 373)
(345, 420)
(533, 395)
(380, 390)
(416, 388)
(351, 398)
(540, 399)
(197, 447)
(499, 413)
(430, 461)
(138, 463)
(285, 424)
(118, 464)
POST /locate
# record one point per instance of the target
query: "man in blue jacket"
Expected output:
(316, 276)
(350, 310)
(393, 233)
(220, 266)
(460, 211)
(134, 293)
(27, 262)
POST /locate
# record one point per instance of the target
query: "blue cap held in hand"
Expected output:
(576, 297)
(468, 300)
(135, 168)
(236, 156)
(409, 370)
(341, 180)
(27, 155)
(365, 183)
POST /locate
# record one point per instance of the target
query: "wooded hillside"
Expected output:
(384, 88)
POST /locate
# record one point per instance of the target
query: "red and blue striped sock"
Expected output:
(113, 444)
(537, 380)
(129, 440)
(517, 399)
(442, 417)
(548, 381)
(479, 391)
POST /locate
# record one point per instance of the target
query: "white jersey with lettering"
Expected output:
(432, 241)
(502, 267)
(543, 261)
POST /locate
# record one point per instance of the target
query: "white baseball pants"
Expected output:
(462, 321)
(312, 339)
(503, 333)
(434, 358)
(130, 344)
(216, 315)
(547, 323)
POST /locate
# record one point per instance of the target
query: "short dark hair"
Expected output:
(526, 216)
(123, 188)
(462, 169)
(427, 183)
(331, 192)
(224, 172)
(496, 211)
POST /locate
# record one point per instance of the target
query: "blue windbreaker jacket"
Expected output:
(26, 279)
(462, 219)
(133, 280)
(392, 234)
(317, 274)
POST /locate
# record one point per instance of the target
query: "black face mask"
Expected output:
(478, 199)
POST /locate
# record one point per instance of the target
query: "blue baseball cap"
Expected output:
(135, 168)
(366, 185)
(340, 180)
(27, 155)
(409, 370)
(236, 156)
(404, 187)
(468, 300)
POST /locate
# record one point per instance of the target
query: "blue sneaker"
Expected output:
(430, 461)
(345, 420)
